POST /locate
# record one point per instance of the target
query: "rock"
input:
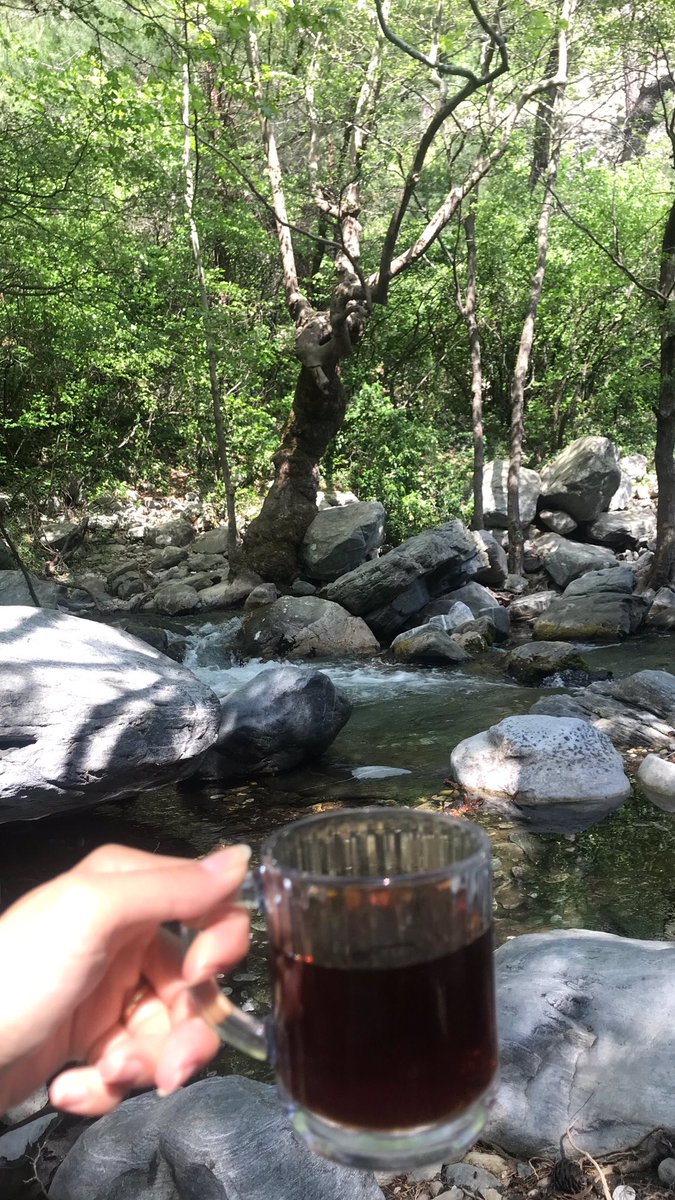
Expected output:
(557, 522)
(341, 538)
(565, 561)
(657, 780)
(616, 579)
(231, 594)
(216, 564)
(89, 713)
(214, 1140)
(533, 661)
(304, 627)
(479, 600)
(20, 1150)
(582, 479)
(264, 593)
(7, 562)
(333, 497)
(214, 541)
(390, 590)
(378, 772)
(58, 533)
(623, 530)
(175, 598)
(666, 1172)
(465, 1175)
(495, 477)
(515, 584)
(426, 644)
(662, 610)
(483, 626)
(128, 585)
(586, 1019)
(13, 590)
(603, 616)
(167, 556)
(176, 532)
(559, 773)
(425, 1173)
(638, 710)
(471, 640)
(302, 587)
(458, 614)
(526, 608)
(493, 1163)
(281, 718)
(496, 571)
(623, 494)
(30, 1107)
(634, 466)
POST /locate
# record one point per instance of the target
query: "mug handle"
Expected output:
(236, 1028)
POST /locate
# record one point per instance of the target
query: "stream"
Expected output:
(617, 876)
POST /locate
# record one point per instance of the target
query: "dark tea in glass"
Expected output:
(383, 1030)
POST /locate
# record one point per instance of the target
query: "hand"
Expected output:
(90, 976)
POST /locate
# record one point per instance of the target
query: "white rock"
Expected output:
(666, 1172)
(657, 780)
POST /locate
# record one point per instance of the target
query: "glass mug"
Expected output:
(383, 1030)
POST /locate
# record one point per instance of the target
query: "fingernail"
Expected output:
(66, 1092)
(118, 1068)
(175, 1079)
(229, 858)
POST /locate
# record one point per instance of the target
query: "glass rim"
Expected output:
(482, 851)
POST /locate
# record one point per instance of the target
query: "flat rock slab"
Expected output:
(89, 713)
(559, 774)
(217, 1140)
(587, 1038)
(636, 711)
(594, 618)
(304, 627)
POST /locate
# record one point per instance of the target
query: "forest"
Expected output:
(432, 233)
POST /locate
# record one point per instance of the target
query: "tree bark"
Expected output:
(663, 567)
(469, 312)
(216, 397)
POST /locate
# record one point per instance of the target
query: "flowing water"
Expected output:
(617, 876)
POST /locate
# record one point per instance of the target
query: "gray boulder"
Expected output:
(662, 610)
(558, 773)
(457, 615)
(215, 1140)
(624, 493)
(597, 616)
(167, 556)
(390, 590)
(495, 478)
(57, 534)
(582, 479)
(479, 600)
(13, 590)
(565, 561)
(526, 608)
(636, 711)
(304, 627)
(616, 579)
(176, 597)
(425, 644)
(177, 531)
(533, 661)
(587, 1039)
(497, 569)
(214, 541)
(634, 466)
(558, 522)
(656, 777)
(89, 713)
(281, 718)
(230, 594)
(623, 530)
(341, 538)
(264, 593)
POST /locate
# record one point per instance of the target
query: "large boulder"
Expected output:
(623, 530)
(565, 561)
(582, 479)
(656, 777)
(558, 773)
(599, 606)
(304, 627)
(215, 1140)
(624, 493)
(276, 721)
(214, 541)
(662, 611)
(89, 713)
(342, 538)
(178, 531)
(557, 522)
(429, 645)
(478, 599)
(636, 711)
(14, 590)
(533, 661)
(496, 572)
(526, 608)
(587, 1041)
(388, 591)
(495, 492)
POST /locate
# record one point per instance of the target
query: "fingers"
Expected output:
(111, 857)
(218, 948)
(83, 1091)
(188, 1048)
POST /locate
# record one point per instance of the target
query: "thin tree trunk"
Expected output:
(216, 397)
(469, 312)
(663, 567)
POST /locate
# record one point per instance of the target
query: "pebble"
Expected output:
(455, 1193)
(491, 1194)
(624, 1192)
(666, 1172)
(435, 1187)
(424, 1174)
(489, 1162)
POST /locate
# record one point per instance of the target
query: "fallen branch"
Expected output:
(601, 1174)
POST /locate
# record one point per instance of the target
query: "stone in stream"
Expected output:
(557, 773)
(89, 713)
(341, 538)
(638, 710)
(582, 479)
(304, 627)
(214, 1140)
(599, 606)
(656, 777)
(479, 600)
(533, 661)
(390, 590)
(587, 1038)
(495, 490)
(279, 719)
(425, 644)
